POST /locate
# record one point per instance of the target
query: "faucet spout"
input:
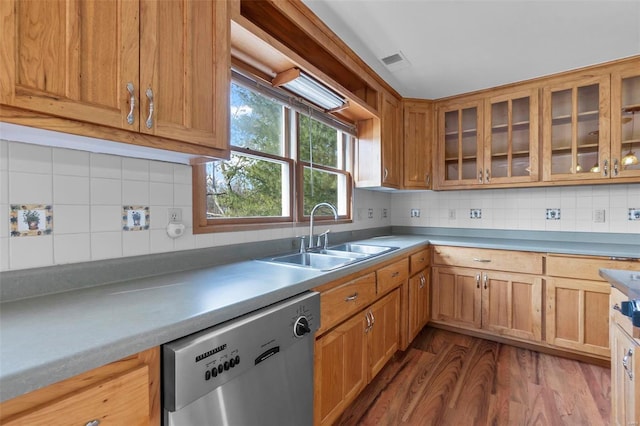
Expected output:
(313, 210)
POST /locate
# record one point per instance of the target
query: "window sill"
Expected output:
(238, 227)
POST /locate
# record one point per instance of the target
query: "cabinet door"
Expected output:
(72, 59)
(625, 122)
(391, 134)
(340, 368)
(460, 144)
(578, 315)
(184, 71)
(625, 367)
(511, 138)
(511, 304)
(418, 138)
(384, 334)
(457, 296)
(576, 130)
(418, 303)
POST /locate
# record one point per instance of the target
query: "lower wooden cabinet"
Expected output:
(350, 355)
(419, 301)
(125, 392)
(502, 303)
(625, 376)
(577, 315)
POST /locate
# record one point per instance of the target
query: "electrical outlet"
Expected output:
(385, 213)
(175, 215)
(553, 214)
(599, 216)
(634, 214)
(415, 212)
(475, 213)
(452, 214)
(370, 213)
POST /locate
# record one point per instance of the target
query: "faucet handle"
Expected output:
(302, 247)
(325, 234)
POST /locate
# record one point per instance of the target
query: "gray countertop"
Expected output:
(49, 338)
(628, 282)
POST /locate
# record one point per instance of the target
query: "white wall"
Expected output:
(522, 208)
(87, 192)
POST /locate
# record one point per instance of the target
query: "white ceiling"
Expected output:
(456, 46)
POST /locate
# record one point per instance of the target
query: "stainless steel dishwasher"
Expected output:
(251, 371)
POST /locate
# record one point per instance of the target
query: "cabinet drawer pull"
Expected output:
(487, 176)
(95, 422)
(486, 278)
(149, 93)
(369, 325)
(476, 259)
(616, 307)
(605, 169)
(480, 176)
(395, 274)
(373, 319)
(615, 167)
(132, 103)
(386, 174)
(623, 259)
(351, 298)
(423, 280)
(625, 363)
(428, 179)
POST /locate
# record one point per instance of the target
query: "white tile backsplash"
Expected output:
(71, 190)
(106, 245)
(135, 169)
(106, 191)
(30, 158)
(4, 254)
(135, 193)
(4, 155)
(30, 188)
(70, 162)
(161, 172)
(30, 252)
(160, 194)
(135, 243)
(71, 219)
(72, 248)
(106, 166)
(106, 218)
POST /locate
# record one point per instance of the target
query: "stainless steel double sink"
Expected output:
(331, 258)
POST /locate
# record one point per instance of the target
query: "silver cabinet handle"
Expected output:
(385, 175)
(427, 179)
(422, 280)
(132, 102)
(95, 422)
(615, 167)
(487, 176)
(486, 278)
(477, 280)
(373, 319)
(605, 169)
(477, 259)
(149, 93)
(480, 176)
(626, 364)
(616, 307)
(369, 325)
(351, 298)
(625, 259)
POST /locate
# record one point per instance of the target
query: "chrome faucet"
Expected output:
(313, 210)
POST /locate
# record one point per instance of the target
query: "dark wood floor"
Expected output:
(450, 379)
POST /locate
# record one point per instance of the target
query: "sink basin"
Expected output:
(365, 249)
(320, 261)
(331, 258)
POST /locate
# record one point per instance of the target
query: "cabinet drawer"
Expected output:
(419, 261)
(585, 268)
(393, 275)
(500, 260)
(123, 399)
(339, 303)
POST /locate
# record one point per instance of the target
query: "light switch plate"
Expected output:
(599, 216)
(385, 213)
(370, 213)
(452, 214)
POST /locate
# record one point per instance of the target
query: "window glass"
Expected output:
(318, 143)
(256, 121)
(323, 186)
(247, 186)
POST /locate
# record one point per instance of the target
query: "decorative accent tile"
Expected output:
(553, 214)
(475, 213)
(135, 218)
(634, 214)
(31, 220)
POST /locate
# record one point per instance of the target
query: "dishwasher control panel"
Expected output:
(196, 364)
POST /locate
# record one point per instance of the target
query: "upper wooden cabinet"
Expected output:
(490, 140)
(625, 121)
(576, 129)
(146, 67)
(418, 139)
(511, 137)
(460, 144)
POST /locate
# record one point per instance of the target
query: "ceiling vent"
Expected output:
(396, 61)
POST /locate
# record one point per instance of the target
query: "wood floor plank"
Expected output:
(445, 378)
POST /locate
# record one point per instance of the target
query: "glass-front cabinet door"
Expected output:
(460, 144)
(576, 130)
(625, 122)
(511, 138)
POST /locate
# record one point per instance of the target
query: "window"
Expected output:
(285, 158)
